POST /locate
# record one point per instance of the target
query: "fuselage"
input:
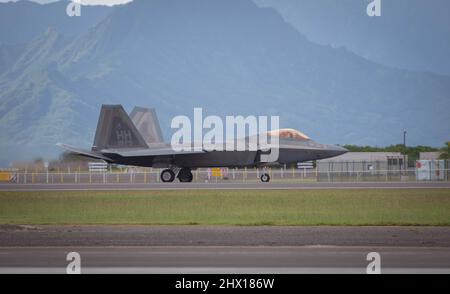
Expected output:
(290, 151)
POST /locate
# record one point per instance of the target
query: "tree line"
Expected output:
(412, 152)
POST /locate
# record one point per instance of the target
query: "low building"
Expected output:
(430, 155)
(363, 161)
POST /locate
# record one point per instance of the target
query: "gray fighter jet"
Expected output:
(138, 141)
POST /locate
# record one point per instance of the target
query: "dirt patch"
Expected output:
(9, 228)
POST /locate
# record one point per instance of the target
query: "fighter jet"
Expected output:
(138, 141)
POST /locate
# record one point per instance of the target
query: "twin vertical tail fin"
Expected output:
(146, 122)
(115, 130)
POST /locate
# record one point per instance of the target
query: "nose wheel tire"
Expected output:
(167, 176)
(185, 176)
(265, 178)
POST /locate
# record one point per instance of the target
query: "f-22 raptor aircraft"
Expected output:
(137, 140)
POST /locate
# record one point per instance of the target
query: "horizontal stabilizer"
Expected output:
(82, 152)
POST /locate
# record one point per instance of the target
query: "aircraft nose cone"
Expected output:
(335, 150)
(342, 150)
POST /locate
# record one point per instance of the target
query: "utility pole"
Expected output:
(405, 164)
(404, 138)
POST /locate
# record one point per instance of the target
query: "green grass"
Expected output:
(311, 207)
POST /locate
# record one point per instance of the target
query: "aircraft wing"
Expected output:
(103, 155)
(152, 152)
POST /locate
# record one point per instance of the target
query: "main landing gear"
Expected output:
(184, 175)
(167, 176)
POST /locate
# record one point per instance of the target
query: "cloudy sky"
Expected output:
(96, 2)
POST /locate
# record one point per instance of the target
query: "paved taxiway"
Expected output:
(232, 260)
(224, 186)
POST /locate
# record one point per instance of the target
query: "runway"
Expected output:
(222, 250)
(226, 260)
(225, 186)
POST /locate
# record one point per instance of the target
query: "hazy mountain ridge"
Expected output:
(410, 34)
(228, 57)
(22, 21)
(8, 55)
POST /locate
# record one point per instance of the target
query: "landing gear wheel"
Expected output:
(167, 176)
(185, 175)
(265, 178)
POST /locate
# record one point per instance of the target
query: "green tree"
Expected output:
(446, 152)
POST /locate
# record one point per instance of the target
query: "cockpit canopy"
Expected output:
(289, 134)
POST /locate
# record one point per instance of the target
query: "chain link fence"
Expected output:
(225, 175)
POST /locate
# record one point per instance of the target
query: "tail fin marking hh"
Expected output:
(115, 130)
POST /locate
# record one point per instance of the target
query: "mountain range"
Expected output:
(229, 57)
(409, 34)
(22, 21)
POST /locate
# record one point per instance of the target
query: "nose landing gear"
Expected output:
(265, 178)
